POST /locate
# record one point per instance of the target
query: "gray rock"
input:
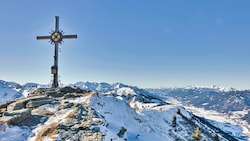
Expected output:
(29, 102)
(70, 122)
(57, 92)
(39, 101)
(16, 105)
(89, 136)
(5, 104)
(42, 112)
(14, 117)
(77, 125)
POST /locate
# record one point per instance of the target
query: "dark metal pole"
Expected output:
(57, 24)
(55, 81)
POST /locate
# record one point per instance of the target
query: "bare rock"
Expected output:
(38, 101)
(14, 117)
(16, 105)
(2, 110)
(72, 120)
(56, 92)
(5, 104)
(30, 102)
(88, 136)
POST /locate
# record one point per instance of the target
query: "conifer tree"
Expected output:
(179, 111)
(196, 134)
(216, 138)
(174, 121)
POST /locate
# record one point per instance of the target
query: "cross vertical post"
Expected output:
(55, 38)
(55, 80)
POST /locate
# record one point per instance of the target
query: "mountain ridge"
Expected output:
(144, 105)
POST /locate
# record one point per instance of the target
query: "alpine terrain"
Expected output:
(116, 112)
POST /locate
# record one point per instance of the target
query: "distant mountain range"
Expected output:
(221, 100)
(155, 108)
(13, 90)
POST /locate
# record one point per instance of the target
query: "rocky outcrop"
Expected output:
(57, 114)
(77, 124)
(14, 117)
(38, 101)
(5, 104)
(20, 104)
(30, 102)
(57, 92)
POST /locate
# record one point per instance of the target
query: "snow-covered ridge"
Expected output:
(12, 90)
(233, 105)
(103, 87)
(9, 90)
(129, 107)
(200, 88)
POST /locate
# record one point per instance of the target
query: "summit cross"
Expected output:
(56, 38)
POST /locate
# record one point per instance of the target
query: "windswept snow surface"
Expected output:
(118, 114)
(141, 125)
(13, 133)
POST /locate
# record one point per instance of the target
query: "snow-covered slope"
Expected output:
(217, 103)
(209, 98)
(9, 90)
(12, 90)
(122, 112)
(119, 89)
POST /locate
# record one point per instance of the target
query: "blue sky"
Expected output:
(138, 42)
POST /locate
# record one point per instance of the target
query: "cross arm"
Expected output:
(43, 37)
(69, 36)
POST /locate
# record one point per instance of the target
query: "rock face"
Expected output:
(56, 92)
(30, 102)
(4, 104)
(16, 116)
(38, 101)
(55, 114)
(17, 105)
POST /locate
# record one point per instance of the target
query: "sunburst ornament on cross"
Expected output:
(56, 38)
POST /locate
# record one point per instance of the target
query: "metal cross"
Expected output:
(55, 38)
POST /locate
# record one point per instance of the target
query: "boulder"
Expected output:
(16, 105)
(30, 102)
(14, 117)
(5, 104)
(88, 136)
(2, 110)
(38, 101)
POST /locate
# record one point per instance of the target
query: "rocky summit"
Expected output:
(103, 112)
(53, 113)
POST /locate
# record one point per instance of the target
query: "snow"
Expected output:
(13, 133)
(9, 91)
(12, 90)
(143, 121)
(223, 121)
(125, 91)
(59, 117)
(204, 104)
(122, 116)
(232, 105)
